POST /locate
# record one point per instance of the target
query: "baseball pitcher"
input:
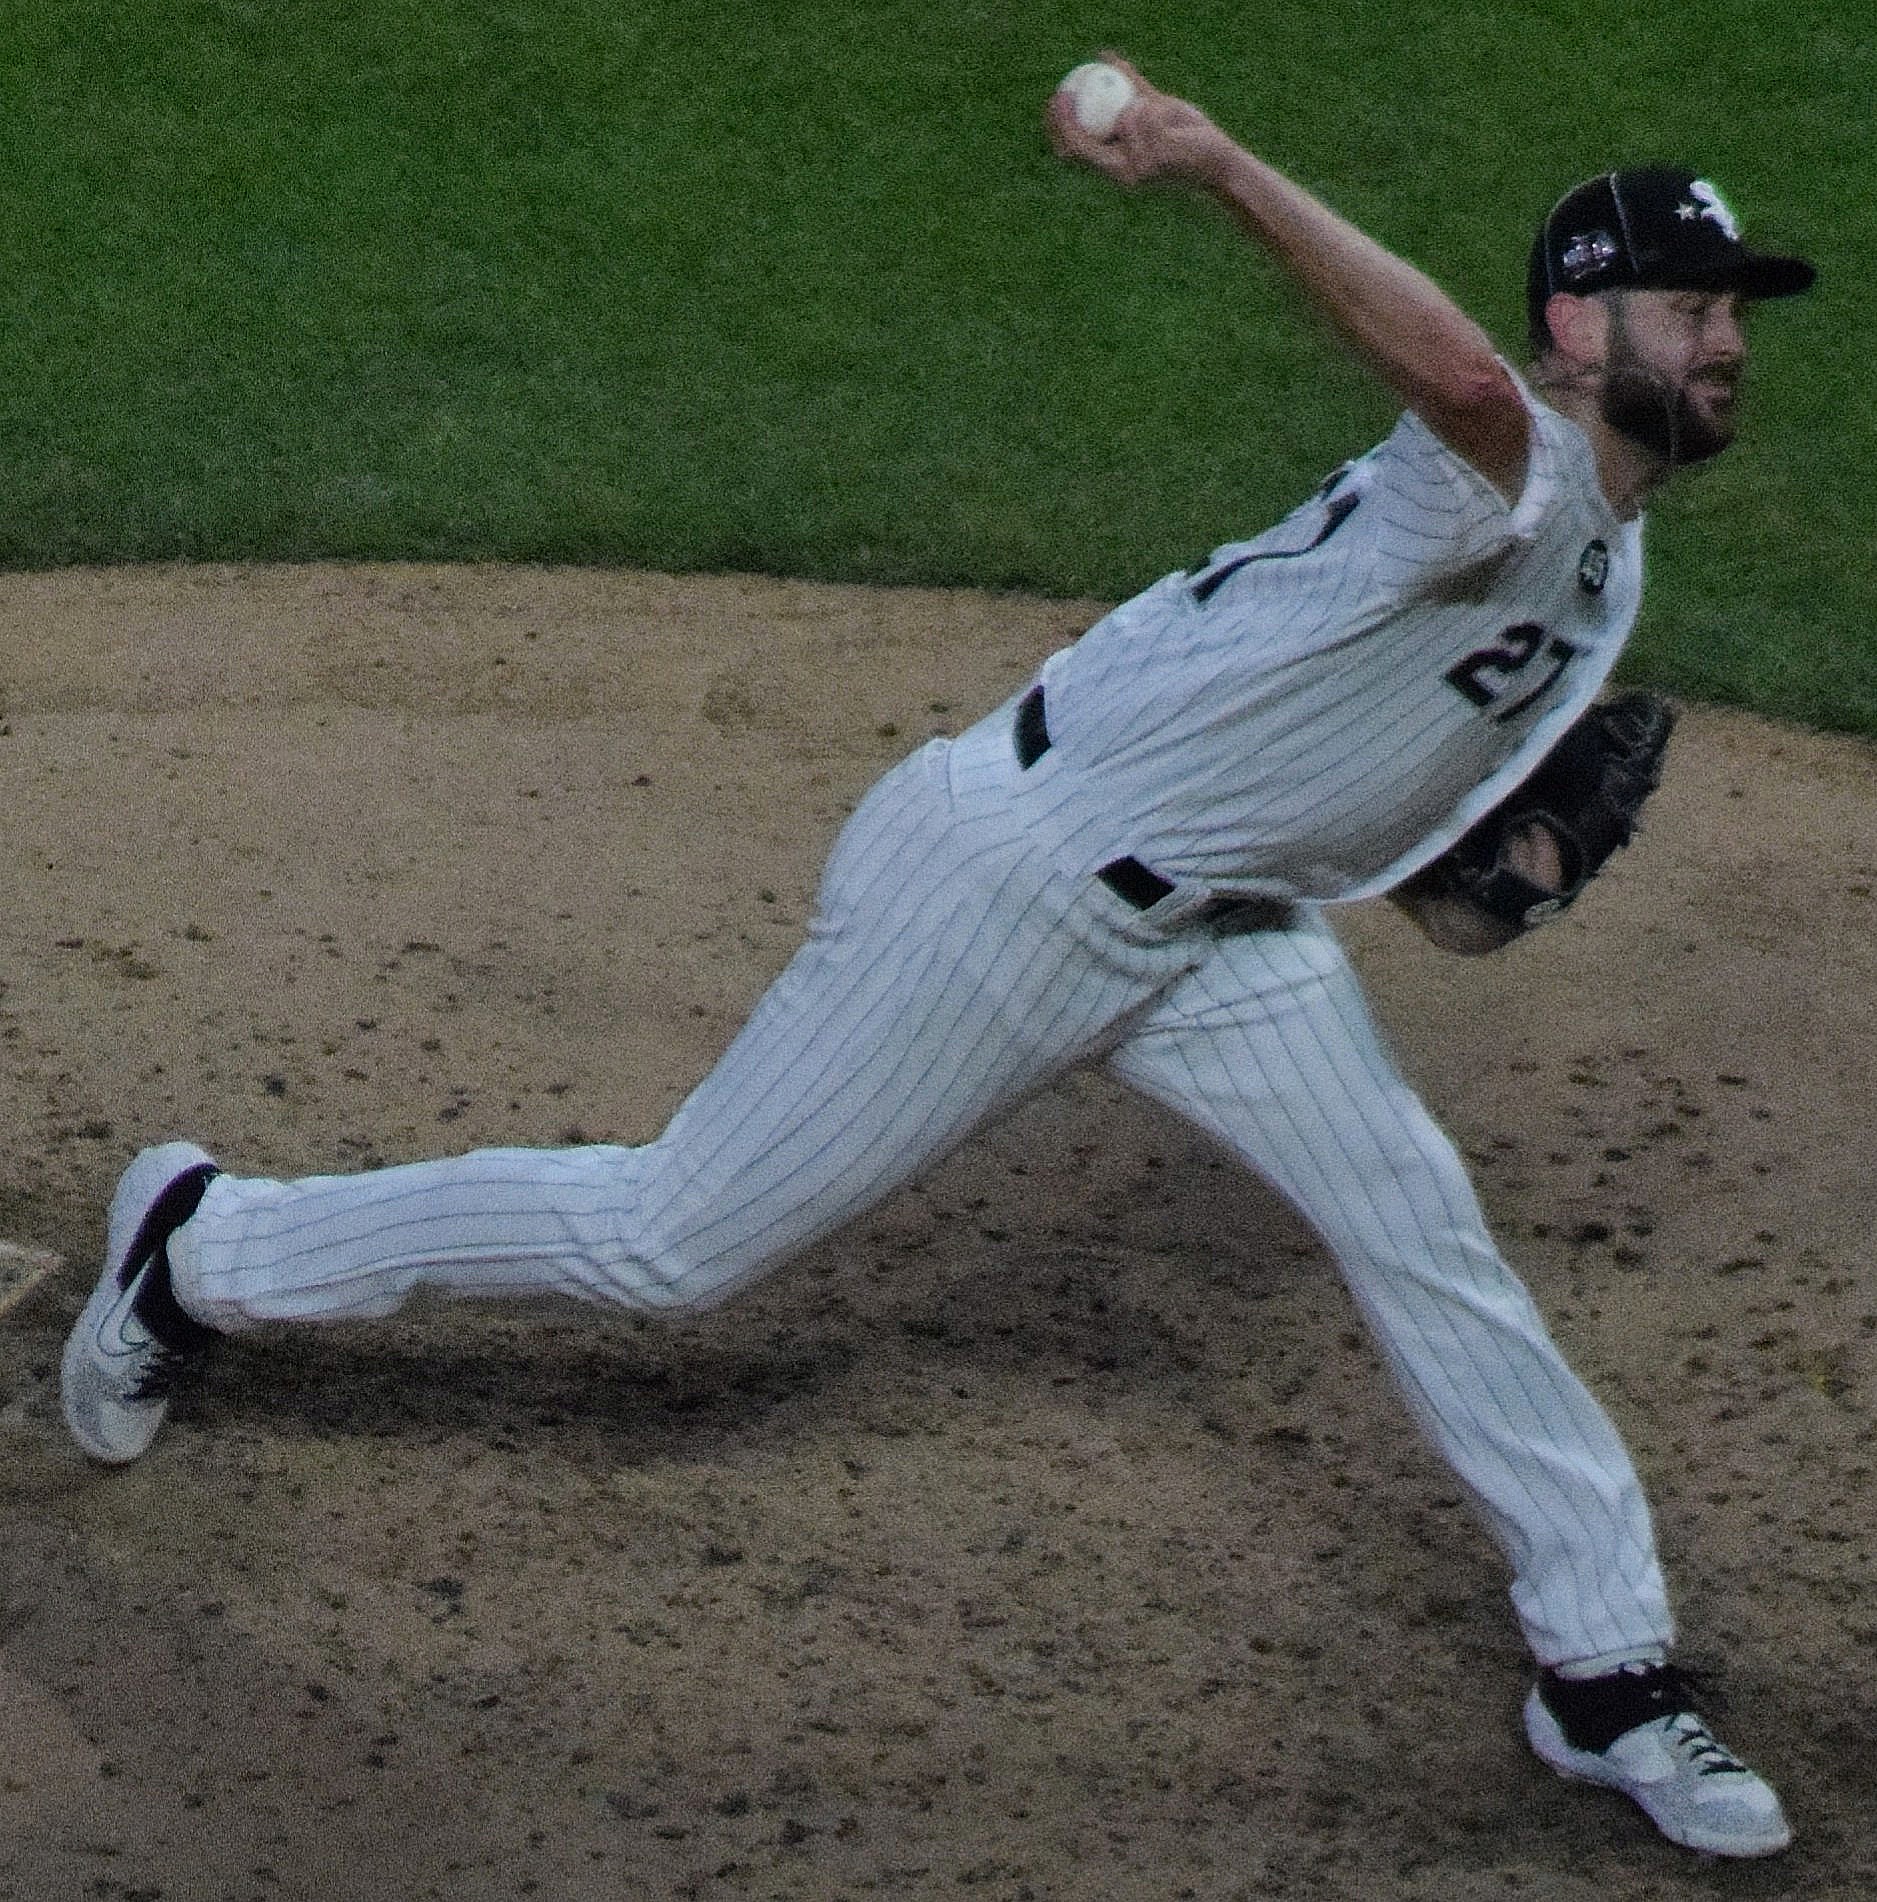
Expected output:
(1397, 690)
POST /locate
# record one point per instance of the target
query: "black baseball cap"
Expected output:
(1653, 228)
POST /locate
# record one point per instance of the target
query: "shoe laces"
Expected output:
(1674, 1689)
(177, 1341)
(1690, 1739)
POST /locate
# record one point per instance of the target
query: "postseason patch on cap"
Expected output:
(1653, 227)
(1586, 253)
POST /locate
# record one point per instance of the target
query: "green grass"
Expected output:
(801, 290)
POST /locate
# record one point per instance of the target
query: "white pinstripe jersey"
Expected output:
(1320, 711)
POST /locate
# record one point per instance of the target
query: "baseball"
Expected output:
(1099, 95)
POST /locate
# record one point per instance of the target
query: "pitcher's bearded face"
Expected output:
(1672, 371)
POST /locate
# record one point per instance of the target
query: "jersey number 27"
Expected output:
(1489, 674)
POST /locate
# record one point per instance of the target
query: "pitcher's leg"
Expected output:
(1272, 1049)
(941, 980)
(496, 1222)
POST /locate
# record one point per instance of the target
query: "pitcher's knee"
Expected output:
(651, 1272)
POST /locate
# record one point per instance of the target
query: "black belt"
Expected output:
(1137, 884)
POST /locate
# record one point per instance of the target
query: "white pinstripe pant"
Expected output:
(950, 970)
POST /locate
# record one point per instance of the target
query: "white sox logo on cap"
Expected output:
(1653, 227)
(1708, 203)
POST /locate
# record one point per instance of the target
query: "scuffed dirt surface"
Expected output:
(1050, 1534)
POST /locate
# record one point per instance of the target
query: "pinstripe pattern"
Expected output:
(1282, 720)
(1292, 730)
(1270, 1047)
(917, 1009)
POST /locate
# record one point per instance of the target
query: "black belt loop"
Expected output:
(1032, 730)
(1138, 884)
(1130, 881)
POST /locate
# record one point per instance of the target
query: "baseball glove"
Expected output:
(1533, 854)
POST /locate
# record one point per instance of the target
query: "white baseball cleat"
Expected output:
(1634, 1731)
(133, 1340)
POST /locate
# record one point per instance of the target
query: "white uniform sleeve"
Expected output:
(1437, 497)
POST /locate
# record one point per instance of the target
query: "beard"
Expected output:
(1645, 406)
(1659, 415)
